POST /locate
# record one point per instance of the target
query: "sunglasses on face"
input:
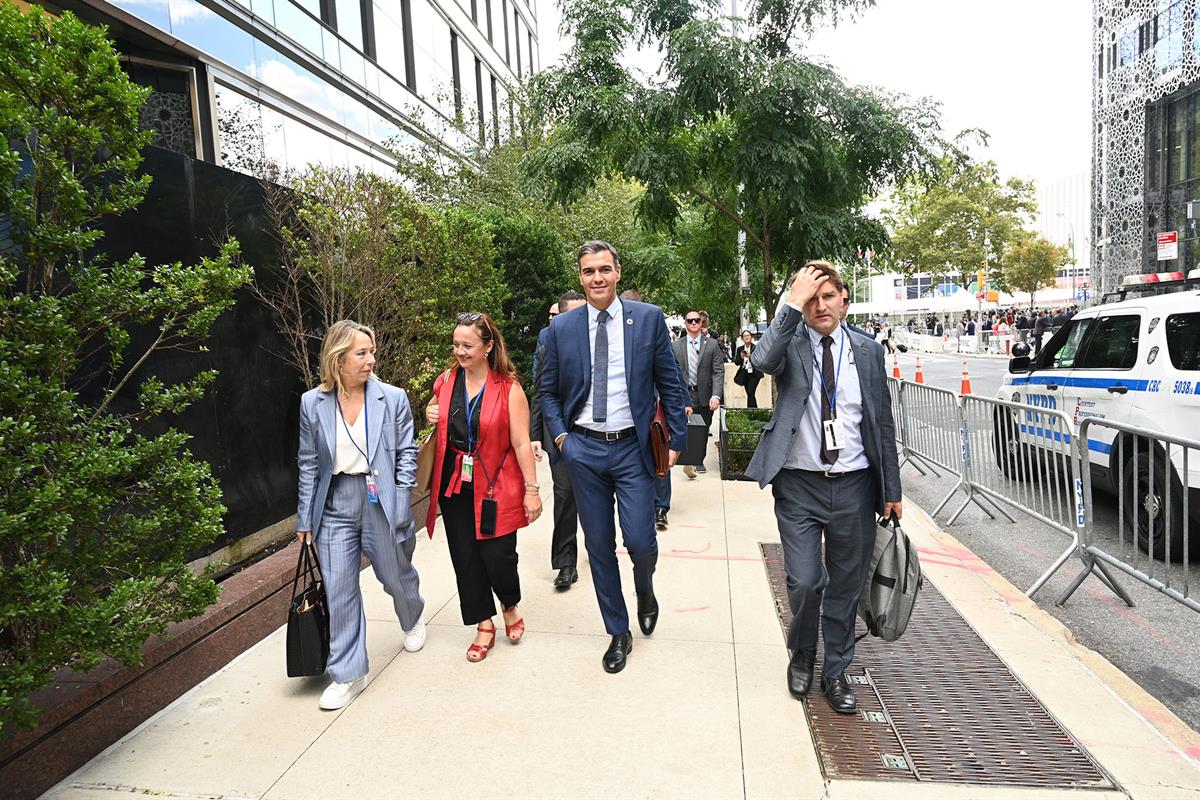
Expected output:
(692, 320)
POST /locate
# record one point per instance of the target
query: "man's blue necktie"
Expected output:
(600, 370)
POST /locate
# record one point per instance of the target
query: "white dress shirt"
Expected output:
(346, 458)
(694, 345)
(806, 447)
(620, 416)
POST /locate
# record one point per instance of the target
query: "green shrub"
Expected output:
(97, 516)
(743, 432)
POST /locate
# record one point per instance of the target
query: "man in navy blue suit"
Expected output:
(605, 364)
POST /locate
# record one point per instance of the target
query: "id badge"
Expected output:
(833, 434)
(372, 490)
(468, 468)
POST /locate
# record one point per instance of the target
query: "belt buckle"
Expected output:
(829, 474)
(612, 436)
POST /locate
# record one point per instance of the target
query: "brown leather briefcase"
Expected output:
(660, 441)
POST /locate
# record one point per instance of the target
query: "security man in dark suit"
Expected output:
(564, 544)
(702, 364)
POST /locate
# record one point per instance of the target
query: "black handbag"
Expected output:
(308, 619)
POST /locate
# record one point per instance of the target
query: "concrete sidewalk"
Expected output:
(701, 711)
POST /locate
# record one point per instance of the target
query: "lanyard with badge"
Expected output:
(831, 428)
(372, 488)
(468, 459)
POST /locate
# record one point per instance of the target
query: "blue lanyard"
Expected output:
(471, 404)
(837, 377)
(366, 424)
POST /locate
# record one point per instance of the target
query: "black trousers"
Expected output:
(482, 567)
(752, 379)
(700, 406)
(564, 545)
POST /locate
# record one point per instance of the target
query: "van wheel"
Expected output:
(1145, 511)
(1011, 455)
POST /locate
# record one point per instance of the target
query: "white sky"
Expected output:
(1019, 69)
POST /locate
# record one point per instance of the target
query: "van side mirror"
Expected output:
(1020, 349)
(1019, 364)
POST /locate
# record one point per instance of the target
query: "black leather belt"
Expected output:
(607, 436)
(828, 474)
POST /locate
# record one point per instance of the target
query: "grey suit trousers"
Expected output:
(350, 526)
(810, 506)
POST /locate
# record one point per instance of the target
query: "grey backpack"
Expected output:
(893, 581)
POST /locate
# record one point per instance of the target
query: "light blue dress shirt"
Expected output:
(806, 447)
(619, 414)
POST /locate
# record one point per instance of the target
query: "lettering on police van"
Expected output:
(1155, 385)
(1183, 387)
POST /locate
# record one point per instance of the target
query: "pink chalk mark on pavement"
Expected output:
(704, 549)
(686, 610)
(693, 527)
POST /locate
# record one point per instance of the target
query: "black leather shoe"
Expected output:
(618, 653)
(566, 576)
(660, 519)
(840, 695)
(647, 612)
(800, 673)
(700, 468)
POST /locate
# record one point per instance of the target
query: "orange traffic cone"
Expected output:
(920, 376)
(966, 380)
(896, 367)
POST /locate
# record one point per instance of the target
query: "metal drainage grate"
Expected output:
(938, 705)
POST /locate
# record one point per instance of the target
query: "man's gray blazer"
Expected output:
(710, 371)
(784, 351)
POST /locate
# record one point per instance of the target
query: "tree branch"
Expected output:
(162, 334)
(730, 214)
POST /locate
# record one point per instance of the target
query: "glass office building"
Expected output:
(244, 83)
(1146, 136)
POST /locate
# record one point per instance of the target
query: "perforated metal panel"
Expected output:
(938, 706)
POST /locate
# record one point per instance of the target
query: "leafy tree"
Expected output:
(357, 245)
(98, 517)
(776, 145)
(951, 226)
(1030, 263)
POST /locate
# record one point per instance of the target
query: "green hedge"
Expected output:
(743, 430)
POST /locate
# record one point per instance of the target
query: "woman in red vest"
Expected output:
(485, 481)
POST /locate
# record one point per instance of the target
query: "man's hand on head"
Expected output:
(805, 286)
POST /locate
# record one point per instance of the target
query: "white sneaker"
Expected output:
(414, 638)
(338, 695)
(689, 470)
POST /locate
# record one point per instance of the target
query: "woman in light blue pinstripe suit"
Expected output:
(358, 465)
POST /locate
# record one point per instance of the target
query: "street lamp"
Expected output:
(1071, 242)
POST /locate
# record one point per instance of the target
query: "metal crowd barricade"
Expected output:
(895, 392)
(1154, 510)
(1003, 463)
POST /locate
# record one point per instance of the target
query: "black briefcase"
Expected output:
(308, 618)
(697, 442)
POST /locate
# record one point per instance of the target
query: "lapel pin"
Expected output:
(629, 321)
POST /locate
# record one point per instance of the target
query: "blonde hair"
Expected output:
(338, 339)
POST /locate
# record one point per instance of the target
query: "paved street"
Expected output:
(1152, 642)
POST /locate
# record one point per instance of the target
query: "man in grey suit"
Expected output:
(702, 365)
(829, 454)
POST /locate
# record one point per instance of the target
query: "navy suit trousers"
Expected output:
(601, 472)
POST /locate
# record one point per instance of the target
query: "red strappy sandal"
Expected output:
(515, 631)
(478, 652)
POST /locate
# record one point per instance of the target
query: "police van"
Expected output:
(1133, 358)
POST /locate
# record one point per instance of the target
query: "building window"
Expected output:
(495, 112)
(487, 8)
(504, 21)
(1127, 48)
(475, 12)
(530, 51)
(517, 38)
(456, 74)
(479, 101)
(390, 39)
(1168, 41)
(349, 21)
